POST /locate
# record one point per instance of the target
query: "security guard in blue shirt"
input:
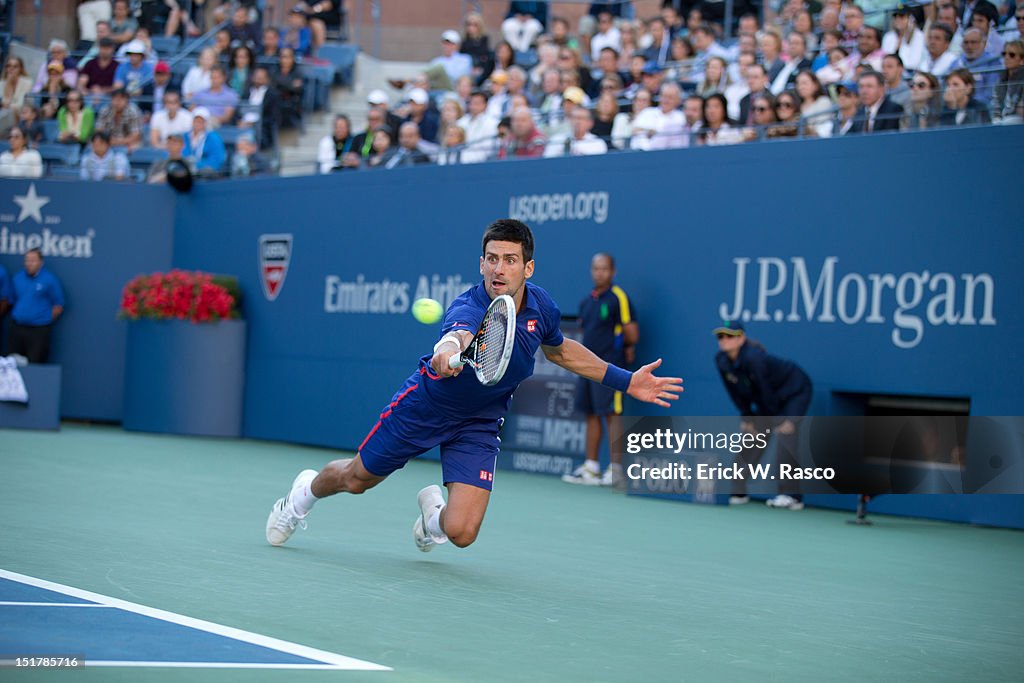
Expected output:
(610, 331)
(38, 302)
(769, 392)
(5, 292)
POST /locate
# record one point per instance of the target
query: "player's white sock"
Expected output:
(434, 525)
(302, 498)
(593, 466)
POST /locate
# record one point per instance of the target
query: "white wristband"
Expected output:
(449, 339)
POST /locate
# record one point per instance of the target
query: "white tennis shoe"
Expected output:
(429, 499)
(583, 475)
(785, 501)
(283, 519)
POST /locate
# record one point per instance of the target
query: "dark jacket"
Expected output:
(977, 113)
(764, 385)
(888, 118)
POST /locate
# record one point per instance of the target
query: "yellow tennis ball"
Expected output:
(427, 311)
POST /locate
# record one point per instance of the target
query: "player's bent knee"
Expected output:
(461, 534)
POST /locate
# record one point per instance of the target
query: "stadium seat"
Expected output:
(343, 57)
(179, 69)
(166, 46)
(57, 154)
(65, 172)
(230, 134)
(51, 129)
(144, 156)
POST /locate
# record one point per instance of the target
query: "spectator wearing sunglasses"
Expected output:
(1008, 103)
(980, 63)
(770, 393)
(925, 105)
(762, 109)
(1018, 33)
(75, 121)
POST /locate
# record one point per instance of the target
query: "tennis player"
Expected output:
(443, 406)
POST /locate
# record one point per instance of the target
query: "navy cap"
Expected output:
(733, 328)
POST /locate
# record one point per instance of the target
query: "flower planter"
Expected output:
(185, 378)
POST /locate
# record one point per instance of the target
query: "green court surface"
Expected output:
(565, 583)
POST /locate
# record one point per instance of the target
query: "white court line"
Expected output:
(331, 660)
(213, 665)
(4, 603)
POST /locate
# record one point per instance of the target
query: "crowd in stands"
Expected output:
(810, 69)
(138, 77)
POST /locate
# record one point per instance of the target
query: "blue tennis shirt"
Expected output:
(35, 297)
(537, 322)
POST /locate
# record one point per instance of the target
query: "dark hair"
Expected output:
(818, 89)
(720, 98)
(35, 250)
(964, 75)
(878, 33)
(241, 48)
(945, 30)
(612, 50)
(605, 254)
(988, 10)
(480, 93)
(509, 230)
(873, 74)
(100, 135)
(899, 60)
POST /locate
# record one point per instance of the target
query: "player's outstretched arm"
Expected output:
(453, 343)
(642, 385)
(646, 386)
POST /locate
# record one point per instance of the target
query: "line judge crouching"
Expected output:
(771, 393)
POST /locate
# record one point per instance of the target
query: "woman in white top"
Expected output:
(905, 38)
(16, 84)
(815, 107)
(622, 127)
(717, 129)
(20, 161)
(198, 77)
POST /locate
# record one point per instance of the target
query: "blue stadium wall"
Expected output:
(856, 258)
(888, 264)
(95, 237)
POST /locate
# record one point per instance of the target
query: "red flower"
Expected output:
(178, 294)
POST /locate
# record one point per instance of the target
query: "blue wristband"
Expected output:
(617, 378)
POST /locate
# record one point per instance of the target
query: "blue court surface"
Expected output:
(40, 618)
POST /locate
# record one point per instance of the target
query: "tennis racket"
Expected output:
(489, 352)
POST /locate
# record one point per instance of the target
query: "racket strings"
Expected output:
(491, 343)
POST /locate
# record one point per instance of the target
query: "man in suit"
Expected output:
(796, 45)
(262, 95)
(757, 79)
(877, 112)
